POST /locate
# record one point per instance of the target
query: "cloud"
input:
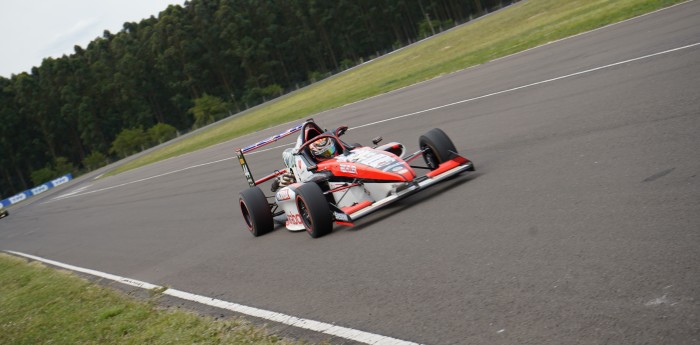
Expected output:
(31, 30)
(80, 34)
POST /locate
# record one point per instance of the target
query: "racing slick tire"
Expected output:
(314, 210)
(256, 211)
(438, 147)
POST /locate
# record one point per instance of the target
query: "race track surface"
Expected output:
(581, 224)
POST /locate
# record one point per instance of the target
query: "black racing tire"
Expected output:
(314, 210)
(438, 148)
(256, 211)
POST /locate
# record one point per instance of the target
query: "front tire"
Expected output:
(314, 210)
(438, 148)
(256, 211)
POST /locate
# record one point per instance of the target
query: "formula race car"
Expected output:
(327, 181)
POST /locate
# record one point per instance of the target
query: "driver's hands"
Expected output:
(282, 181)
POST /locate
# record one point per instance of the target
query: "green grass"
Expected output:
(41, 305)
(527, 24)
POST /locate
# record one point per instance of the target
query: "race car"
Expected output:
(327, 181)
(3, 212)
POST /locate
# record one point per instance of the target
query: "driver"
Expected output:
(323, 148)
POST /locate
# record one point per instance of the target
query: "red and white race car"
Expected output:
(328, 181)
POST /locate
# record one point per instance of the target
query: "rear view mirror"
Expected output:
(341, 130)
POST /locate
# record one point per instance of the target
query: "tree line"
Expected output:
(190, 66)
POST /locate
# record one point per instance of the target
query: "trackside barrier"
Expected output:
(36, 190)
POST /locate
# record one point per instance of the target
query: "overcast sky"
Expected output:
(31, 30)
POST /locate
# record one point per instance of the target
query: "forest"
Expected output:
(189, 66)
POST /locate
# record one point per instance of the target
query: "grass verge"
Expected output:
(42, 305)
(526, 24)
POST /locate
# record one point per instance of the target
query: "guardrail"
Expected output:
(36, 190)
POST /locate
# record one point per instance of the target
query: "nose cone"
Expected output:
(370, 164)
(407, 173)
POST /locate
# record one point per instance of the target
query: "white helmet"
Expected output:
(323, 148)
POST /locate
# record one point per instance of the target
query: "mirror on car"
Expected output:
(341, 130)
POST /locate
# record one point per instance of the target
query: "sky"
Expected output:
(31, 30)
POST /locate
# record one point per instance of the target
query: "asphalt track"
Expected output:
(580, 226)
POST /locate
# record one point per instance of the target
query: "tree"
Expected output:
(128, 142)
(43, 175)
(161, 133)
(62, 166)
(206, 109)
(94, 160)
(184, 65)
(272, 91)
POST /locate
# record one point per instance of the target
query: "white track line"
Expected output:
(412, 114)
(72, 195)
(316, 326)
(532, 84)
(76, 191)
(594, 30)
(141, 180)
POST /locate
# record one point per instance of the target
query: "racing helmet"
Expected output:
(323, 148)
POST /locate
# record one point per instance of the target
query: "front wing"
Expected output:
(446, 170)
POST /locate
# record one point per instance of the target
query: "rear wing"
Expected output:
(241, 157)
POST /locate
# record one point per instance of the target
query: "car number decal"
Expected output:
(283, 195)
(348, 168)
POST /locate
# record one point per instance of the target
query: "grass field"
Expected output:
(526, 24)
(39, 305)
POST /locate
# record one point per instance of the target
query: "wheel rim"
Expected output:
(305, 215)
(430, 158)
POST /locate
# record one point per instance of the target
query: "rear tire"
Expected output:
(314, 210)
(438, 148)
(256, 211)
